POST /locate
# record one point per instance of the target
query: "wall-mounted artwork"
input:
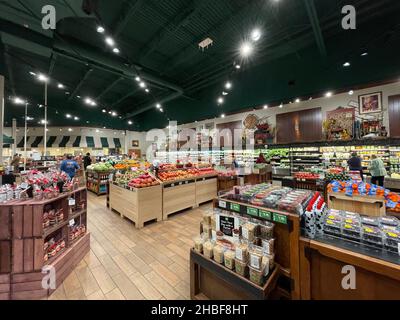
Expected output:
(370, 103)
(135, 143)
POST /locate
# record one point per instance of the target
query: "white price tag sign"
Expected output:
(71, 222)
(71, 202)
(24, 185)
(222, 204)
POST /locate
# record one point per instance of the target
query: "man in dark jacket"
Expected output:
(87, 160)
(355, 164)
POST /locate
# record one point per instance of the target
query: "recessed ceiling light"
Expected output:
(328, 94)
(351, 92)
(256, 35)
(43, 78)
(220, 100)
(104, 110)
(76, 118)
(142, 84)
(32, 73)
(104, 128)
(158, 106)
(110, 41)
(297, 100)
(97, 130)
(223, 115)
(130, 122)
(17, 100)
(68, 116)
(346, 64)
(67, 93)
(114, 114)
(365, 53)
(109, 112)
(281, 106)
(70, 129)
(265, 106)
(228, 85)
(161, 109)
(60, 86)
(147, 90)
(237, 66)
(100, 29)
(116, 50)
(225, 93)
(78, 97)
(246, 49)
(138, 79)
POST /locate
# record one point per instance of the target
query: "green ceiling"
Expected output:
(158, 40)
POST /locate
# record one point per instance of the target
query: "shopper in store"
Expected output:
(15, 163)
(87, 160)
(69, 166)
(378, 171)
(355, 164)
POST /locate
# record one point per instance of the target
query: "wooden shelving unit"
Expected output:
(97, 182)
(22, 246)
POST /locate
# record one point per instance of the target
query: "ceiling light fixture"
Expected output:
(220, 100)
(32, 73)
(104, 110)
(114, 114)
(97, 130)
(365, 53)
(223, 115)
(328, 94)
(158, 106)
(147, 90)
(116, 50)
(142, 85)
(237, 66)
(297, 100)
(138, 79)
(246, 49)
(130, 122)
(351, 92)
(265, 107)
(256, 35)
(60, 86)
(68, 116)
(70, 129)
(161, 109)
(346, 64)
(18, 100)
(225, 93)
(43, 78)
(110, 41)
(281, 106)
(228, 85)
(76, 118)
(100, 29)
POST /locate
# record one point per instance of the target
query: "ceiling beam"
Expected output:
(110, 87)
(80, 84)
(127, 14)
(7, 58)
(52, 63)
(130, 94)
(313, 16)
(173, 26)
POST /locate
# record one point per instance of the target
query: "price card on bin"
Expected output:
(71, 222)
(222, 204)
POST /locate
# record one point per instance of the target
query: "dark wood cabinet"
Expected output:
(299, 126)
(394, 116)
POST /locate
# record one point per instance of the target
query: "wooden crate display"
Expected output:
(178, 196)
(226, 183)
(22, 256)
(138, 205)
(206, 189)
(367, 205)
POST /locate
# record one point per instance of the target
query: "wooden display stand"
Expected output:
(97, 182)
(212, 281)
(258, 176)
(178, 195)
(226, 183)
(321, 274)
(307, 184)
(368, 205)
(287, 234)
(138, 205)
(206, 189)
(22, 254)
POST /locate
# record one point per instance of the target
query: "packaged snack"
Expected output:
(268, 246)
(242, 252)
(256, 276)
(229, 259)
(207, 218)
(208, 247)
(267, 230)
(207, 231)
(351, 231)
(333, 227)
(392, 240)
(218, 252)
(198, 244)
(255, 256)
(241, 267)
(370, 221)
(249, 231)
(389, 221)
(372, 235)
(213, 223)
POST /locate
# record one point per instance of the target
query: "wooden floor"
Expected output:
(131, 264)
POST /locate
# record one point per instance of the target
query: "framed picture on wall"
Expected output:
(370, 103)
(135, 143)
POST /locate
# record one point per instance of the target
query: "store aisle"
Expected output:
(126, 263)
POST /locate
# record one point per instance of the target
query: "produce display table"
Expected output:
(178, 195)
(212, 281)
(377, 273)
(390, 183)
(206, 189)
(138, 205)
(226, 183)
(369, 205)
(24, 239)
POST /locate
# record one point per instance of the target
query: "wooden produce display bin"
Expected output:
(24, 262)
(206, 189)
(97, 182)
(321, 265)
(212, 281)
(178, 195)
(226, 183)
(368, 205)
(138, 205)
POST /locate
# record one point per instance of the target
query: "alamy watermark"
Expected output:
(349, 280)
